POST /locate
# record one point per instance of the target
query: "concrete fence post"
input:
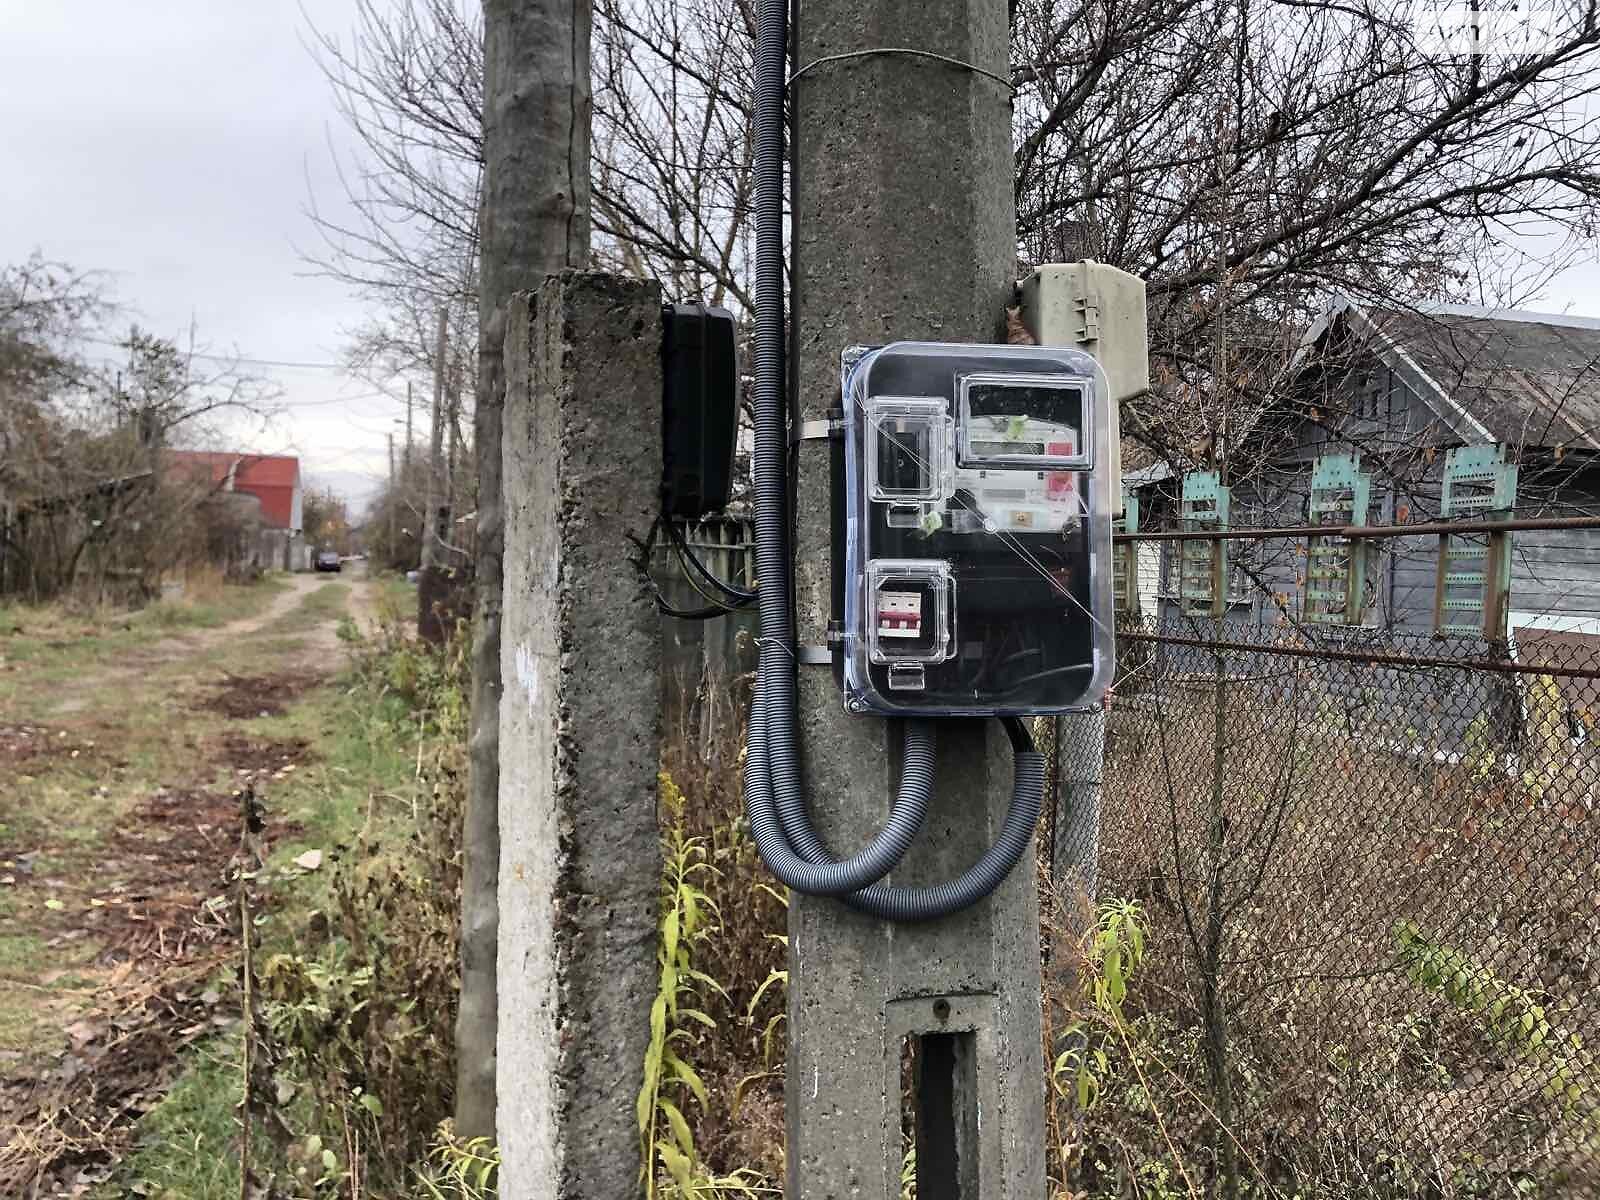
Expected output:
(580, 730)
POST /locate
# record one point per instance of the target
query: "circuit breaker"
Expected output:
(978, 502)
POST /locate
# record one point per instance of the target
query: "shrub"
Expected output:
(359, 1010)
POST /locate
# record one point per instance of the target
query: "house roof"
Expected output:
(1503, 375)
(272, 478)
(1143, 477)
(254, 470)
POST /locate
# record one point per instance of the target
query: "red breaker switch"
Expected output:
(900, 614)
(909, 611)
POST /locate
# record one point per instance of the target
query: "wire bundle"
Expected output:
(779, 819)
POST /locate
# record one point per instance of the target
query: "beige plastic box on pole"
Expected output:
(1099, 309)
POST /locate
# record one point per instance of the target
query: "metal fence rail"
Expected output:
(1372, 879)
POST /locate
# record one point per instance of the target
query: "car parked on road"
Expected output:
(328, 560)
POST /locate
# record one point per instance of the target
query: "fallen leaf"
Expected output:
(82, 1031)
(309, 861)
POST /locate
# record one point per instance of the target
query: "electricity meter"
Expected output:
(978, 530)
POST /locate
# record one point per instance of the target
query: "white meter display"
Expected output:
(978, 532)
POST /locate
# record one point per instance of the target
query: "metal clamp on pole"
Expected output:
(824, 656)
(830, 429)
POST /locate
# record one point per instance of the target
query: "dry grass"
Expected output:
(1347, 1070)
(203, 584)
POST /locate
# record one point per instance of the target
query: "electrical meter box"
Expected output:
(978, 530)
(699, 408)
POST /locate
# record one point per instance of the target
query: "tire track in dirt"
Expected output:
(159, 905)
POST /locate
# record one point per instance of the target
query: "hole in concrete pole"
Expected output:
(910, 1053)
(944, 1097)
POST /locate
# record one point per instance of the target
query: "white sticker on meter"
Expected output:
(900, 614)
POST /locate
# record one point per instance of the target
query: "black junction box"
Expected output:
(699, 408)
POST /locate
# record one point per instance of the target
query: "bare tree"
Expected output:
(408, 84)
(83, 479)
(673, 145)
(47, 310)
(326, 519)
(1249, 159)
(1245, 158)
(393, 519)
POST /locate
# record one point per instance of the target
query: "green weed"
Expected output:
(459, 1170)
(356, 961)
(690, 918)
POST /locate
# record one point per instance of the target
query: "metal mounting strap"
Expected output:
(820, 430)
(822, 656)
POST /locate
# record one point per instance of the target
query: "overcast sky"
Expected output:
(172, 144)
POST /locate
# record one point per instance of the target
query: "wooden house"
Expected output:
(1395, 392)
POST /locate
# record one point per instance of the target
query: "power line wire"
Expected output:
(229, 358)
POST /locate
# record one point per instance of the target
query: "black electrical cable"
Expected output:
(1016, 835)
(709, 613)
(773, 796)
(741, 596)
(1052, 673)
(775, 802)
(1021, 736)
(701, 590)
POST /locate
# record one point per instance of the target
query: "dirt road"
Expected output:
(76, 691)
(286, 601)
(129, 763)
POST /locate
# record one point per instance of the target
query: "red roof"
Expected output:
(271, 478)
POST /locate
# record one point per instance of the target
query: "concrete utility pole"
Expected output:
(394, 500)
(405, 455)
(904, 228)
(452, 426)
(534, 223)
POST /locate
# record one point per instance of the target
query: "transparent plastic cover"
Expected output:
(978, 533)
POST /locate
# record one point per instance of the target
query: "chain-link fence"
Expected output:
(1368, 868)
